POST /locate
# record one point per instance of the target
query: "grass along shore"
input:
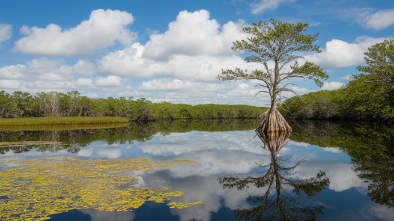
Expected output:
(42, 121)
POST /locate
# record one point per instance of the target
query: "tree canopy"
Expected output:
(56, 104)
(280, 48)
(370, 95)
(380, 63)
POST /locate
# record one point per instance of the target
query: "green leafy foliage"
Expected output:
(61, 121)
(283, 44)
(366, 100)
(315, 105)
(360, 100)
(368, 96)
(56, 104)
(168, 111)
(380, 63)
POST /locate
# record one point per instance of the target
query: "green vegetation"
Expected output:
(282, 44)
(359, 100)
(40, 188)
(61, 127)
(369, 96)
(55, 104)
(316, 105)
(168, 111)
(380, 64)
(62, 121)
(27, 143)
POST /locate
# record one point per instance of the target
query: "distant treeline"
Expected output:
(369, 96)
(361, 99)
(44, 104)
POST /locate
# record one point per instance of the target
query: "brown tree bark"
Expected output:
(272, 121)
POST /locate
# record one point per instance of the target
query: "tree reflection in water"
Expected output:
(74, 139)
(370, 146)
(285, 198)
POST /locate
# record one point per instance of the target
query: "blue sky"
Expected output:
(171, 50)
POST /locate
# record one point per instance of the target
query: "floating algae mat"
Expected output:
(37, 189)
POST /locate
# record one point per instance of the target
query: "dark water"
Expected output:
(322, 170)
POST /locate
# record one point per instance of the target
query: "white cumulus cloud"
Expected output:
(265, 5)
(194, 33)
(332, 85)
(82, 67)
(10, 84)
(84, 82)
(103, 28)
(157, 84)
(179, 85)
(130, 62)
(46, 70)
(380, 20)
(109, 81)
(42, 75)
(5, 32)
(339, 53)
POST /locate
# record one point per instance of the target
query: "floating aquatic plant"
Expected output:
(37, 189)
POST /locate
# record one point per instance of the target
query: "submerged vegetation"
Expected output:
(37, 189)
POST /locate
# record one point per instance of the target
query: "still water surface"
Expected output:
(220, 170)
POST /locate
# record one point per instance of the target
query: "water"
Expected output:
(324, 171)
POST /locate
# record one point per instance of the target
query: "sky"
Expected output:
(172, 50)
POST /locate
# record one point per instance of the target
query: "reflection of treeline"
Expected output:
(342, 134)
(23, 104)
(371, 148)
(74, 140)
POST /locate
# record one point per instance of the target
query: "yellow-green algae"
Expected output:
(39, 188)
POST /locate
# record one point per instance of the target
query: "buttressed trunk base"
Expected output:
(272, 120)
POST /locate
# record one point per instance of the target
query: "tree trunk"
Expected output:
(272, 120)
